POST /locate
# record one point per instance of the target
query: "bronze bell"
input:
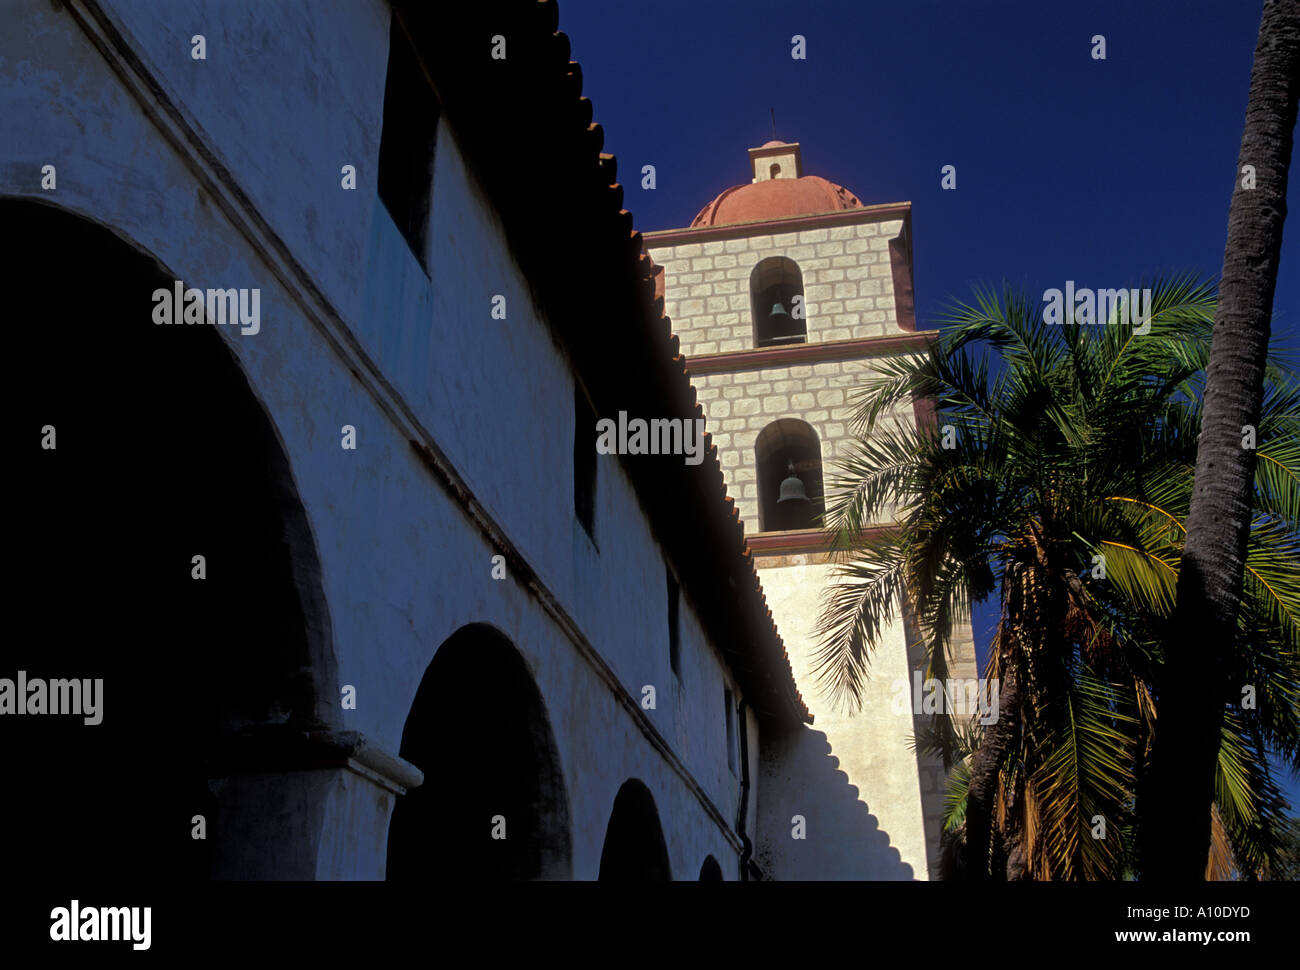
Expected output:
(778, 310)
(792, 489)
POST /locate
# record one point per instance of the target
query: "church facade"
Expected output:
(379, 608)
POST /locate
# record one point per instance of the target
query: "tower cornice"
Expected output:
(738, 230)
(866, 347)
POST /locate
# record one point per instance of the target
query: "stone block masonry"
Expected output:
(847, 284)
(823, 398)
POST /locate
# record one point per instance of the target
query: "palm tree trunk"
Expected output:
(985, 777)
(1174, 816)
(1013, 841)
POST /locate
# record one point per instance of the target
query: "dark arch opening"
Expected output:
(710, 871)
(779, 445)
(162, 453)
(634, 849)
(479, 731)
(778, 317)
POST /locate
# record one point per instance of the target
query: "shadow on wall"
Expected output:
(842, 838)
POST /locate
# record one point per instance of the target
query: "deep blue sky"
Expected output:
(1067, 168)
(1103, 172)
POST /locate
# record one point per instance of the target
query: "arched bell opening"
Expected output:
(788, 454)
(777, 304)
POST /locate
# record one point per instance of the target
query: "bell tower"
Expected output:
(784, 292)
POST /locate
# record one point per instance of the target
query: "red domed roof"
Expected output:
(778, 198)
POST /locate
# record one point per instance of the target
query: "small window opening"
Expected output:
(407, 142)
(731, 729)
(584, 462)
(674, 624)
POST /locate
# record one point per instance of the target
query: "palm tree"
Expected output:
(1175, 834)
(1288, 867)
(1060, 481)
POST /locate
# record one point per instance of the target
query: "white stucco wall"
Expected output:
(852, 775)
(357, 334)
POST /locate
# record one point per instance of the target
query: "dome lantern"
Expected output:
(778, 190)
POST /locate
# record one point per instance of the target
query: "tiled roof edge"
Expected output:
(527, 130)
